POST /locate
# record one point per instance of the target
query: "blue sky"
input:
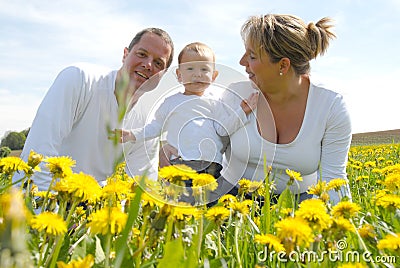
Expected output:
(39, 38)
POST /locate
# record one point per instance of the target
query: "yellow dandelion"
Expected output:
(269, 240)
(336, 184)
(149, 201)
(242, 208)
(244, 186)
(42, 194)
(342, 225)
(367, 231)
(318, 188)
(389, 163)
(345, 209)
(391, 242)
(257, 187)
(257, 221)
(185, 213)
(120, 189)
(107, 220)
(60, 166)
(324, 197)
(286, 211)
(176, 173)
(293, 175)
(12, 206)
(391, 169)
(227, 199)
(362, 177)
(353, 265)
(392, 182)
(86, 262)
(369, 164)
(205, 180)
(11, 164)
(217, 214)
(293, 231)
(388, 201)
(80, 212)
(376, 171)
(315, 213)
(82, 186)
(49, 222)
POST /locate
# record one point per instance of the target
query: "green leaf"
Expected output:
(121, 245)
(285, 199)
(99, 253)
(175, 255)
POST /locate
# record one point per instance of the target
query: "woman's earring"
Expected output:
(280, 73)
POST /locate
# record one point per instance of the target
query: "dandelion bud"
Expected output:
(34, 159)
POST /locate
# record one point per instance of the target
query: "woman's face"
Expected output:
(258, 65)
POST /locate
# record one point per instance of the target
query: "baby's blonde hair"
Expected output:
(199, 48)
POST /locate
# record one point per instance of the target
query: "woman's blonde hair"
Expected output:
(287, 36)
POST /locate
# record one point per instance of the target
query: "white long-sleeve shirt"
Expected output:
(320, 148)
(73, 120)
(194, 125)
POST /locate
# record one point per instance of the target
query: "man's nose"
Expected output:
(148, 63)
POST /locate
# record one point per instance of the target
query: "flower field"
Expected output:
(133, 222)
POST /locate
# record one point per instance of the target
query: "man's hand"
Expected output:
(166, 151)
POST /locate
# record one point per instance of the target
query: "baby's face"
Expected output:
(196, 71)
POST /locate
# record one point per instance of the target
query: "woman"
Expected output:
(297, 125)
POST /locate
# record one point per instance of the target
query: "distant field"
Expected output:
(15, 153)
(379, 137)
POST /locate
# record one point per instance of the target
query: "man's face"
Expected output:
(146, 58)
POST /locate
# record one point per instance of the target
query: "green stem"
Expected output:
(108, 249)
(60, 239)
(219, 242)
(237, 243)
(41, 250)
(141, 240)
(47, 193)
(56, 251)
(170, 230)
(200, 240)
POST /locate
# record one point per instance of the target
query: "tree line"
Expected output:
(13, 140)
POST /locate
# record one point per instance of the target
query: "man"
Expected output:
(86, 101)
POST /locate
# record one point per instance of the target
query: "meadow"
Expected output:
(132, 222)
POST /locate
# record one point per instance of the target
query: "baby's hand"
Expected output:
(250, 103)
(122, 135)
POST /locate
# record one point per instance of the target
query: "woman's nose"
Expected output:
(243, 60)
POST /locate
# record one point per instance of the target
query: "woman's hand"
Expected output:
(165, 153)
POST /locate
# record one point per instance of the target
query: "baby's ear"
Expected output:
(215, 74)
(178, 75)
